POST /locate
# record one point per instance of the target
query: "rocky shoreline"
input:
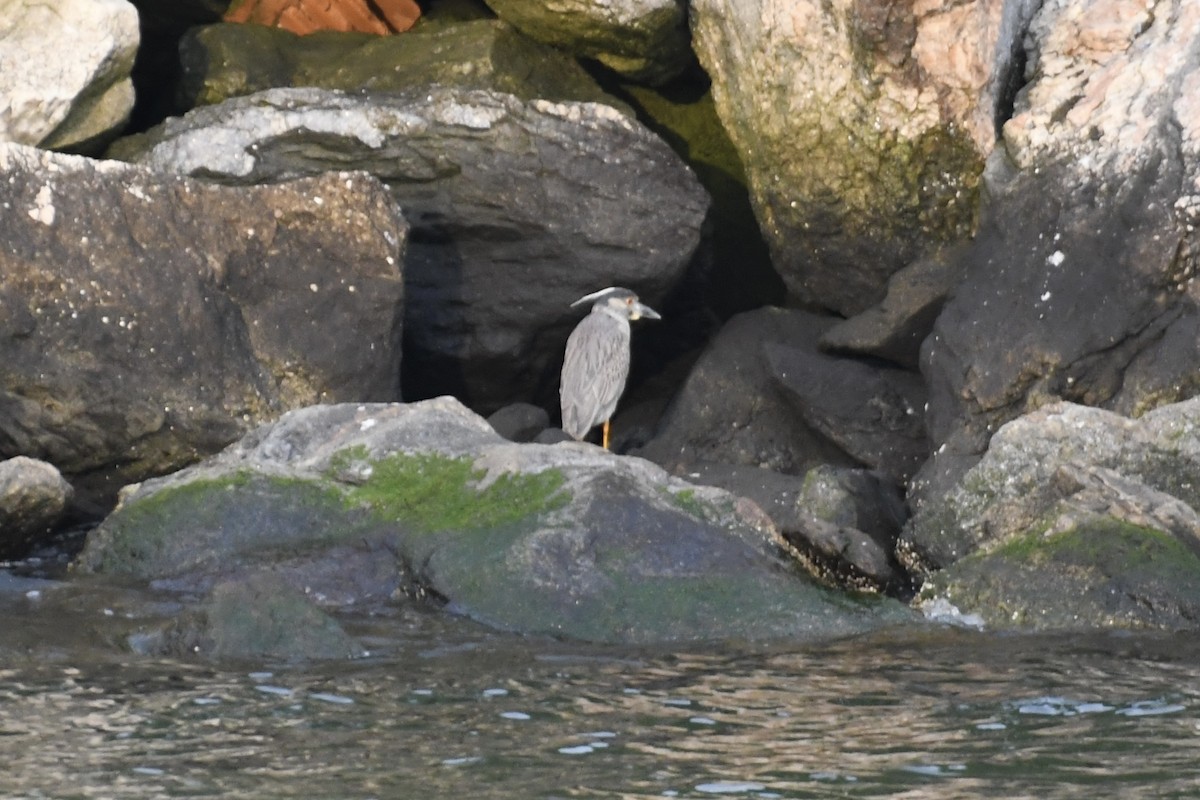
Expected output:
(952, 362)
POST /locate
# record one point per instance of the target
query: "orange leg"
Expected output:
(604, 435)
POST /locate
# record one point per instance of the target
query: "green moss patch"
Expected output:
(186, 526)
(1111, 545)
(435, 493)
(1101, 573)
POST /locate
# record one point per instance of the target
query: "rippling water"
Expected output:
(451, 711)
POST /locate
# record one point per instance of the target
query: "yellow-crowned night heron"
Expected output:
(597, 360)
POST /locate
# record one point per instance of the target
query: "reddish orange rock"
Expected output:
(305, 16)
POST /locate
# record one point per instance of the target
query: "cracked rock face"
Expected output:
(518, 208)
(1080, 284)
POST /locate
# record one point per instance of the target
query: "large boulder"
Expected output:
(1076, 517)
(147, 320)
(643, 40)
(863, 126)
(60, 101)
(518, 208)
(1080, 284)
(360, 505)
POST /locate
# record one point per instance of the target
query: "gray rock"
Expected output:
(260, 616)
(855, 498)
(1075, 518)
(33, 497)
(553, 436)
(518, 209)
(567, 540)
(1021, 477)
(643, 40)
(77, 102)
(147, 320)
(520, 422)
(1080, 284)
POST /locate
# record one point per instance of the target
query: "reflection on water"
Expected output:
(456, 712)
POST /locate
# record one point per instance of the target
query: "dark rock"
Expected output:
(149, 320)
(895, 329)
(843, 522)
(257, 617)
(566, 540)
(520, 422)
(742, 403)
(1081, 283)
(518, 209)
(846, 557)
(1067, 287)
(874, 414)
(33, 497)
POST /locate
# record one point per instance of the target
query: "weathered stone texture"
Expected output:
(60, 102)
(147, 320)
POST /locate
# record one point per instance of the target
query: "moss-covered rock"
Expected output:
(226, 60)
(259, 617)
(362, 505)
(1062, 452)
(863, 141)
(1075, 518)
(1101, 572)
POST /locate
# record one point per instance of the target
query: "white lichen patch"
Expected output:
(580, 112)
(43, 206)
(474, 116)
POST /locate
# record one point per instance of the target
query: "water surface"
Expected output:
(444, 709)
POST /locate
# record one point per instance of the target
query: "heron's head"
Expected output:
(618, 301)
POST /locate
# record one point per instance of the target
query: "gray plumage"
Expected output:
(597, 360)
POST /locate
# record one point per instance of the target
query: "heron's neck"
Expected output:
(612, 312)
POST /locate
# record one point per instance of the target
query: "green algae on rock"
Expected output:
(366, 505)
(224, 61)
(1075, 518)
(1101, 573)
